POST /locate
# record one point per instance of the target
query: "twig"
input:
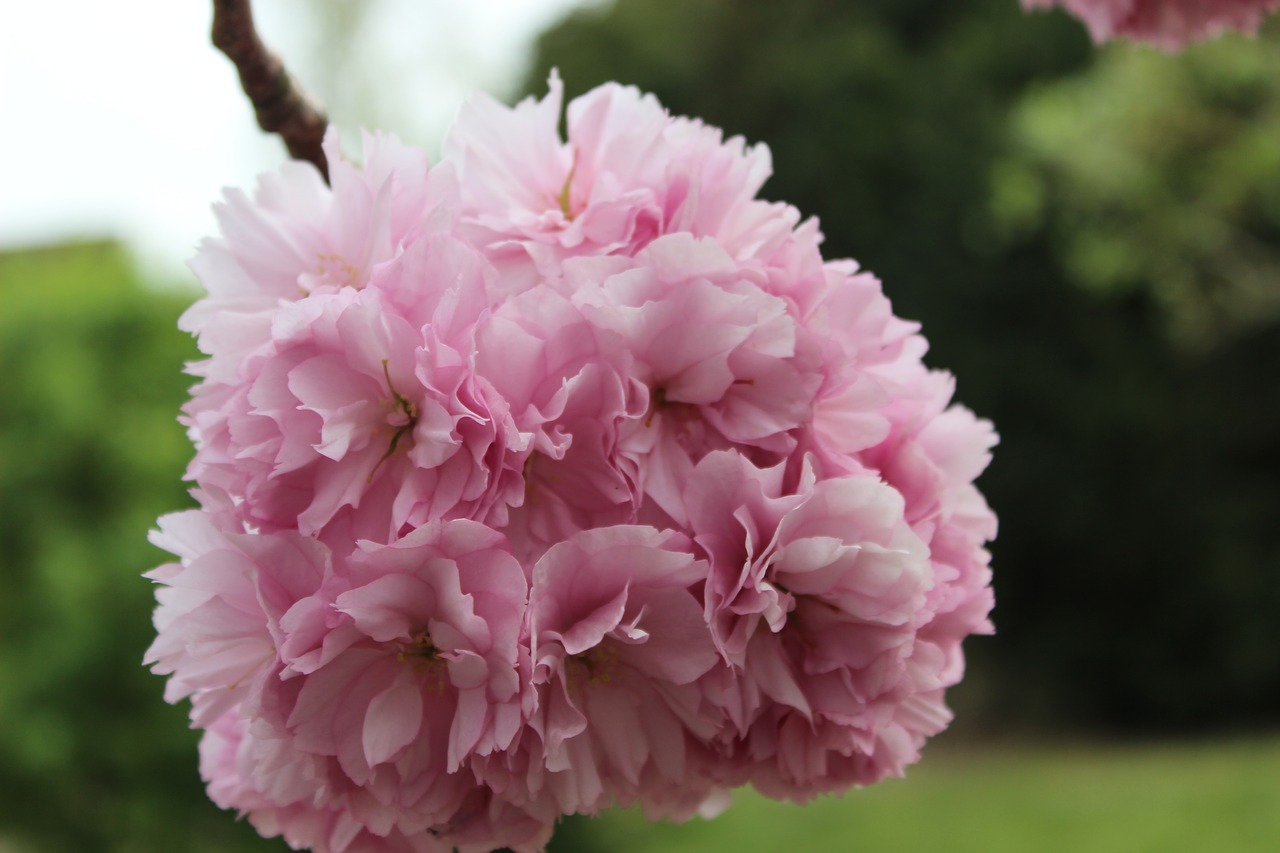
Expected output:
(280, 108)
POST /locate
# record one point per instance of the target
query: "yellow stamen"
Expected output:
(410, 412)
(600, 664)
(564, 190)
(421, 653)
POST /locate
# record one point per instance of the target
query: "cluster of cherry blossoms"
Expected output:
(1168, 24)
(555, 475)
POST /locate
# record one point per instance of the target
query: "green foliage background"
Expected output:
(1092, 241)
(91, 758)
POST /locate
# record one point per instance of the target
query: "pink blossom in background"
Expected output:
(1168, 24)
(559, 474)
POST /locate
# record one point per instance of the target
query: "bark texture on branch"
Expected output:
(279, 107)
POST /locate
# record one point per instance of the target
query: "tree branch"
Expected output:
(279, 107)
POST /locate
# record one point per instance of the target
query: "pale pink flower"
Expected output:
(567, 386)
(401, 668)
(297, 235)
(618, 644)
(351, 409)
(817, 597)
(562, 474)
(346, 700)
(217, 630)
(869, 357)
(932, 456)
(1168, 24)
(482, 822)
(626, 173)
(718, 356)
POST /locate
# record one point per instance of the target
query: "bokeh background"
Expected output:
(1090, 237)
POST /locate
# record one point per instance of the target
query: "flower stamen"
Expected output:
(421, 654)
(406, 407)
(600, 663)
(658, 401)
(563, 198)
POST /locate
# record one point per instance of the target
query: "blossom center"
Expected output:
(566, 206)
(421, 653)
(597, 665)
(683, 422)
(335, 269)
(528, 473)
(403, 417)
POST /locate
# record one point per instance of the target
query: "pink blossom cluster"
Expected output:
(559, 474)
(1168, 24)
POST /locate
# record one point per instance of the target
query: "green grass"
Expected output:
(1217, 796)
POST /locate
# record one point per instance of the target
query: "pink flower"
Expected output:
(817, 598)
(627, 173)
(1168, 24)
(869, 357)
(566, 386)
(564, 473)
(719, 357)
(214, 635)
(298, 235)
(931, 458)
(480, 824)
(347, 700)
(618, 643)
(350, 412)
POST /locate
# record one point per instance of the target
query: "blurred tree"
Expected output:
(1156, 173)
(91, 758)
(1154, 184)
(1135, 568)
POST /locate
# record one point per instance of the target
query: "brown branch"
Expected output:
(280, 108)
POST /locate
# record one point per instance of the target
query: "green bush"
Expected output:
(91, 758)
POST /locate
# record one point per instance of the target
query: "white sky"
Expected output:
(118, 119)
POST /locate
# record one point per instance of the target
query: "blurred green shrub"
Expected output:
(1159, 174)
(91, 758)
